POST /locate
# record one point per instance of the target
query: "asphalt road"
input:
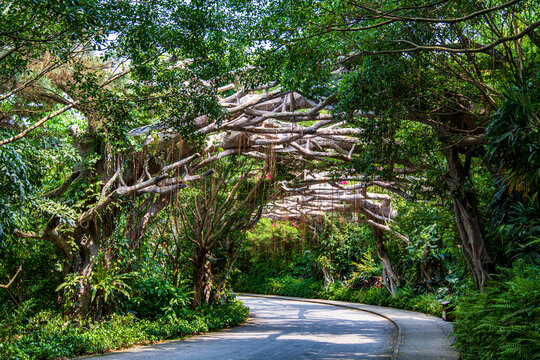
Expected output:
(283, 329)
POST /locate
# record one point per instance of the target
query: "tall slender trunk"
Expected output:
(328, 279)
(473, 243)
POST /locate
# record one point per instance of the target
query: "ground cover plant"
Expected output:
(503, 321)
(48, 335)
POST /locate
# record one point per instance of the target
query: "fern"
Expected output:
(503, 321)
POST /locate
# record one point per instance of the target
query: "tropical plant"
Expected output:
(107, 283)
(503, 321)
(514, 151)
(366, 273)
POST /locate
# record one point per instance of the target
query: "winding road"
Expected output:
(284, 329)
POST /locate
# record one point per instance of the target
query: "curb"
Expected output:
(324, 302)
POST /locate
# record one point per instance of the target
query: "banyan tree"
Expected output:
(267, 124)
(275, 126)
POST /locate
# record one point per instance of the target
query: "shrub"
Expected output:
(49, 336)
(503, 321)
(290, 286)
(405, 298)
(366, 273)
(153, 297)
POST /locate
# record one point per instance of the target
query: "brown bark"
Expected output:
(473, 243)
(391, 281)
(83, 265)
(12, 279)
(201, 284)
(274, 115)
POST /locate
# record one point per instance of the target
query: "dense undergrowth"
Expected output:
(49, 335)
(287, 285)
(503, 321)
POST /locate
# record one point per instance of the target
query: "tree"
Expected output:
(514, 151)
(438, 64)
(213, 214)
(111, 64)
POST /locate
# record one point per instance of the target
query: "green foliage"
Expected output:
(267, 231)
(414, 96)
(341, 244)
(514, 150)
(155, 297)
(514, 133)
(431, 260)
(50, 336)
(107, 284)
(503, 321)
(301, 266)
(348, 252)
(290, 286)
(14, 187)
(287, 285)
(13, 318)
(405, 298)
(366, 273)
(29, 168)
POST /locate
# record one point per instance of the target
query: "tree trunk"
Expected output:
(88, 255)
(201, 286)
(84, 295)
(328, 279)
(473, 244)
(391, 281)
(219, 271)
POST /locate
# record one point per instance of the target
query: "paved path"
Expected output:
(420, 336)
(284, 329)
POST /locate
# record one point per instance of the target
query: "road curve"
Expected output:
(283, 329)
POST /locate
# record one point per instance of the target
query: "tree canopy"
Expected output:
(155, 135)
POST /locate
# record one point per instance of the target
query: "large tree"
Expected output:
(109, 66)
(436, 67)
(213, 215)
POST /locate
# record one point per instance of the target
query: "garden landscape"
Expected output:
(167, 164)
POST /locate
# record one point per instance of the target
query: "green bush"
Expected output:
(503, 321)
(50, 336)
(153, 297)
(284, 285)
(373, 296)
(405, 298)
(290, 286)
(366, 273)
